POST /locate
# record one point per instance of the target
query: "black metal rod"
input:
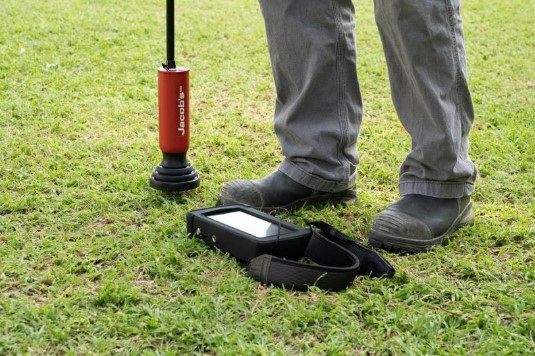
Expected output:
(170, 34)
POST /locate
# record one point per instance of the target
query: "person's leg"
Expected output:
(318, 108)
(424, 48)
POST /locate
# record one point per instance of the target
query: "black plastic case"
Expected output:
(288, 244)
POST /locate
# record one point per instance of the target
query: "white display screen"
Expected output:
(249, 224)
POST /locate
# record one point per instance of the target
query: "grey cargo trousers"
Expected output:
(319, 108)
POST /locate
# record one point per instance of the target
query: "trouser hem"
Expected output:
(436, 189)
(293, 171)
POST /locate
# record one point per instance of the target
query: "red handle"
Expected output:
(173, 109)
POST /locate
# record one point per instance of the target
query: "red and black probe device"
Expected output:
(175, 173)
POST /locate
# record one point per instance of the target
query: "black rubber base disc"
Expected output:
(174, 174)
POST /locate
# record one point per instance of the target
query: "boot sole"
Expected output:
(394, 243)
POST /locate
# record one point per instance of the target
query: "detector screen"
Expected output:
(249, 224)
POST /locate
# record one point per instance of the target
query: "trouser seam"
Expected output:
(340, 80)
(456, 61)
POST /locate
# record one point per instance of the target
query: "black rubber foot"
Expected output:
(174, 174)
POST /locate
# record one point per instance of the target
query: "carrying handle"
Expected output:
(371, 262)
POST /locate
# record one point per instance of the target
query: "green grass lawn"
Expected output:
(92, 260)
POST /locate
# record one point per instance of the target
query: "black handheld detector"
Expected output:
(271, 248)
(246, 233)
